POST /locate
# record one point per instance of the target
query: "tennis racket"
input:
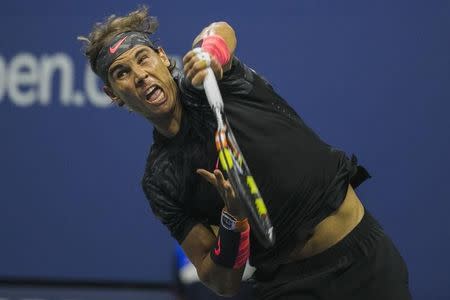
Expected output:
(233, 162)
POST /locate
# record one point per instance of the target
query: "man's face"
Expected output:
(140, 78)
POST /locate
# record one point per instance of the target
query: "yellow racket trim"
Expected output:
(226, 159)
(252, 185)
(260, 206)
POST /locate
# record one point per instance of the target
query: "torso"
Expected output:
(332, 229)
(305, 202)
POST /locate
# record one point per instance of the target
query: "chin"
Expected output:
(165, 109)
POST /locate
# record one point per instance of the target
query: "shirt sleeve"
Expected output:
(162, 189)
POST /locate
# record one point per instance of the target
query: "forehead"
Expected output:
(131, 54)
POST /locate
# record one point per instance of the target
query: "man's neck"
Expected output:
(170, 126)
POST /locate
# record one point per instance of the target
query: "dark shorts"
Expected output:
(364, 265)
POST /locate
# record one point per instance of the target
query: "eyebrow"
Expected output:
(113, 69)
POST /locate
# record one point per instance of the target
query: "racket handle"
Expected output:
(212, 92)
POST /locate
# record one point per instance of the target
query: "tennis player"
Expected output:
(327, 245)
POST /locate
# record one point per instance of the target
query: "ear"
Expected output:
(163, 56)
(108, 91)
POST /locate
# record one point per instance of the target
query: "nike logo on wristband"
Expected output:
(217, 250)
(114, 48)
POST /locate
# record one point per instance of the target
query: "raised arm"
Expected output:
(219, 259)
(194, 67)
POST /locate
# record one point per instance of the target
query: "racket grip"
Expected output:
(212, 91)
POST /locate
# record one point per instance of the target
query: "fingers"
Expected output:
(219, 177)
(215, 178)
(188, 57)
(195, 66)
(198, 79)
(224, 185)
(218, 180)
(210, 177)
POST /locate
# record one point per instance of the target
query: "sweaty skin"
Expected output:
(138, 72)
(333, 228)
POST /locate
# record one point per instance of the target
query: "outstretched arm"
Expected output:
(194, 67)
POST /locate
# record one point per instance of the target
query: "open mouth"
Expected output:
(155, 95)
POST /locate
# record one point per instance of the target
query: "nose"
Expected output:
(140, 75)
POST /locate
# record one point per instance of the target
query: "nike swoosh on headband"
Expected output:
(114, 48)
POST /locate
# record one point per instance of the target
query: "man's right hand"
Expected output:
(195, 68)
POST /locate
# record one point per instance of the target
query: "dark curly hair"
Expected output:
(103, 32)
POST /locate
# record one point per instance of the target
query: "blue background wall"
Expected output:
(371, 77)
